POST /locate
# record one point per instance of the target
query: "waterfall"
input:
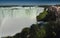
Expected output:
(14, 19)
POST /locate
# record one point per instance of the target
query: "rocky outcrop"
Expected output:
(53, 14)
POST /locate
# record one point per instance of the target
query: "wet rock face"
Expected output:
(57, 12)
(54, 11)
(52, 8)
(53, 14)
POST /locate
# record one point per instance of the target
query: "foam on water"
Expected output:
(14, 19)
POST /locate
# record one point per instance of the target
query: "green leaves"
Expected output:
(42, 15)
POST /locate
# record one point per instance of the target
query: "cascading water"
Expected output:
(14, 19)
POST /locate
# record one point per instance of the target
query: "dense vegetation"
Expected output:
(49, 28)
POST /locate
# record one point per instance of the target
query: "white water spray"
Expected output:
(17, 19)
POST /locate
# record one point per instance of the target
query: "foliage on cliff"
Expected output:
(42, 15)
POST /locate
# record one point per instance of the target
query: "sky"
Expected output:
(28, 2)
